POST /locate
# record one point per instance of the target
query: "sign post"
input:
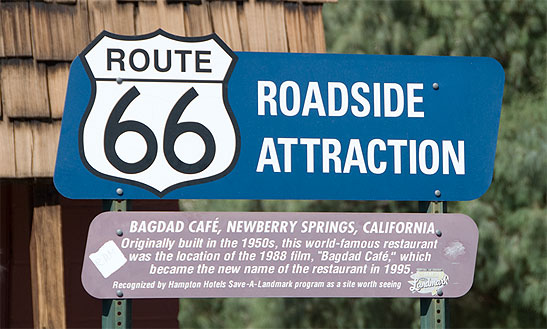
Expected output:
(116, 313)
(434, 312)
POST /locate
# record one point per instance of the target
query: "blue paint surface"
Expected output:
(466, 107)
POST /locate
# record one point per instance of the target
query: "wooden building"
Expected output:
(42, 235)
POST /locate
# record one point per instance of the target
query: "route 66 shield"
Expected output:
(158, 116)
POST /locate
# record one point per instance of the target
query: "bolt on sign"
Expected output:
(163, 116)
(252, 254)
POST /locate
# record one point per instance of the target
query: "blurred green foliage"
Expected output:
(510, 286)
(511, 31)
(511, 270)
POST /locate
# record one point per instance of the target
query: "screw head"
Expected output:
(438, 233)
(119, 293)
(439, 292)
(119, 191)
(436, 86)
(119, 80)
(437, 193)
(119, 232)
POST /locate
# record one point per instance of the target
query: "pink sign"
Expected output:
(257, 254)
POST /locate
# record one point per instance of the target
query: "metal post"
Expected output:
(434, 311)
(117, 314)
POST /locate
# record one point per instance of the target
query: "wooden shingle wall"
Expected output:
(39, 39)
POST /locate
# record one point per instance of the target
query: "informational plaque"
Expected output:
(247, 254)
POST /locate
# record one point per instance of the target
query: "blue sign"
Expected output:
(162, 116)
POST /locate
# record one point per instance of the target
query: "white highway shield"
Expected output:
(159, 116)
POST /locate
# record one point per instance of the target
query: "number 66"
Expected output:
(114, 129)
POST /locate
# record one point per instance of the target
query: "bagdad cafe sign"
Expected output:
(162, 116)
(223, 254)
